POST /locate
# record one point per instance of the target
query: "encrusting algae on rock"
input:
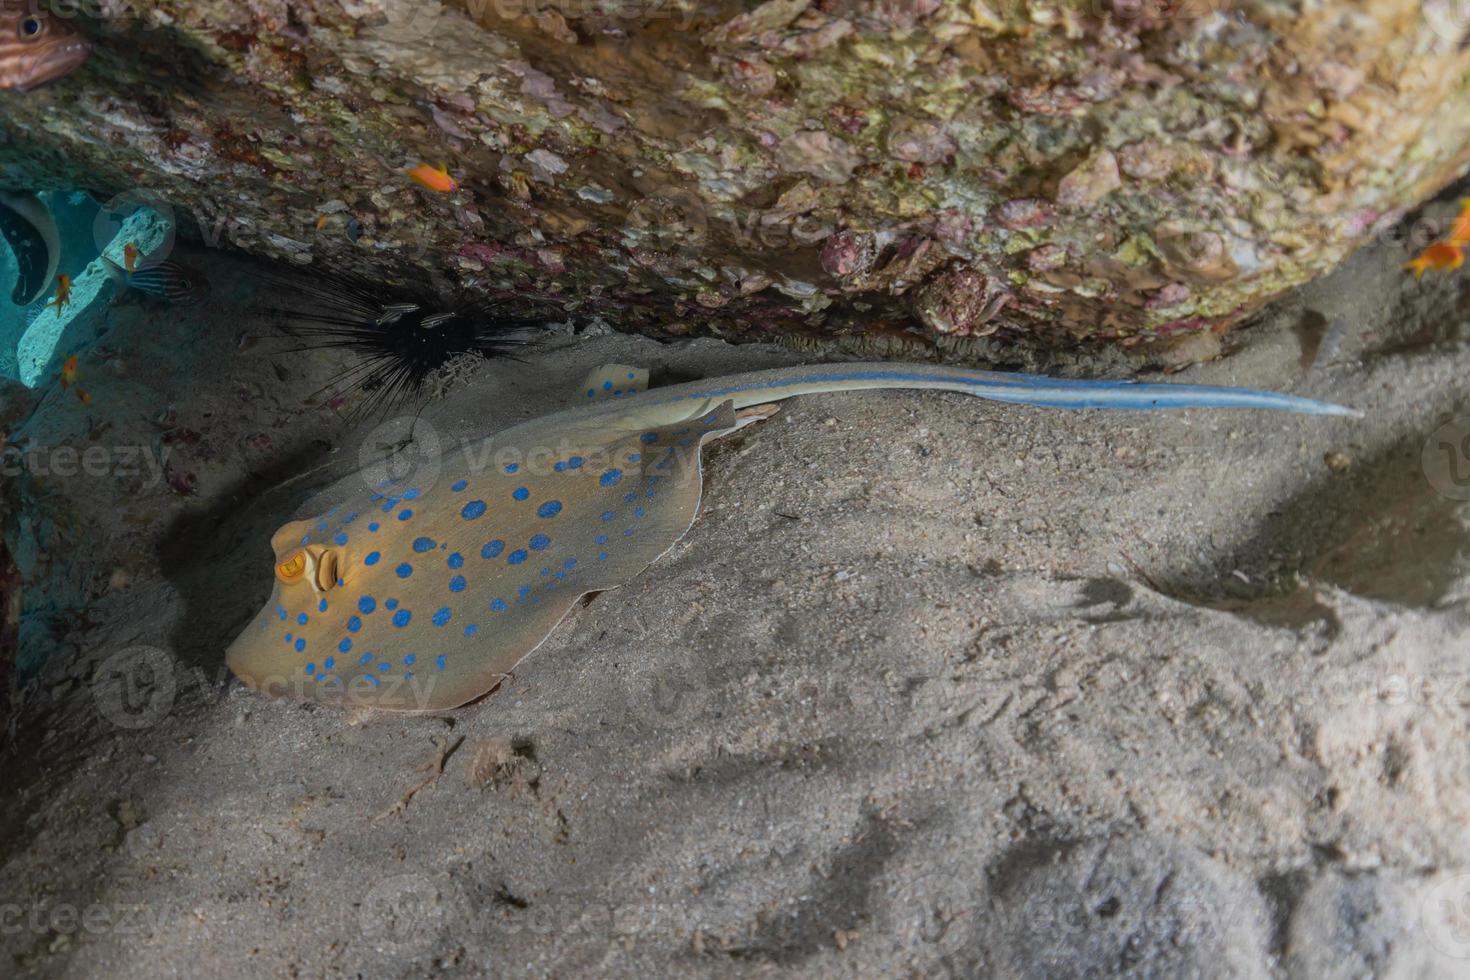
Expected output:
(1040, 173)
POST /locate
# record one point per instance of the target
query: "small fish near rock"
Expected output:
(166, 280)
(423, 597)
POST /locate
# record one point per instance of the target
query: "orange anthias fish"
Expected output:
(63, 292)
(1441, 256)
(36, 46)
(69, 372)
(434, 178)
(130, 257)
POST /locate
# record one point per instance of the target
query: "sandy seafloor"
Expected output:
(933, 687)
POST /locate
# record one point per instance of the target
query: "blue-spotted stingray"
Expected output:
(422, 597)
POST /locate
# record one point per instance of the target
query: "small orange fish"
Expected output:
(84, 397)
(69, 372)
(434, 178)
(130, 257)
(63, 292)
(322, 222)
(1460, 230)
(1441, 256)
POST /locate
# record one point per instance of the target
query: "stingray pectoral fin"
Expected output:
(616, 519)
(613, 381)
(30, 230)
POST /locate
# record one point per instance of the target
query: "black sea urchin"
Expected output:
(402, 333)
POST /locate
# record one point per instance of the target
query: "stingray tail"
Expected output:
(1068, 393)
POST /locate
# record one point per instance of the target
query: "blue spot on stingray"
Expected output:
(630, 375)
(456, 560)
(559, 466)
(389, 504)
(350, 518)
(471, 630)
(340, 537)
(404, 570)
(473, 510)
(497, 605)
(634, 457)
(639, 511)
(390, 605)
(354, 624)
(520, 493)
(627, 532)
(618, 393)
(610, 478)
(405, 514)
(545, 572)
(373, 526)
(549, 509)
(371, 679)
(651, 494)
(281, 611)
(607, 386)
(570, 563)
(321, 526)
(492, 549)
(383, 666)
(628, 498)
(411, 494)
(300, 644)
(375, 497)
(365, 658)
(512, 467)
(457, 584)
(539, 542)
(366, 604)
(345, 646)
(602, 556)
(516, 557)
(311, 668)
(523, 590)
(439, 661)
(648, 438)
(289, 638)
(459, 485)
(408, 659)
(422, 545)
(591, 392)
(575, 463)
(601, 539)
(441, 616)
(329, 663)
(371, 558)
(321, 605)
(608, 515)
(301, 619)
(401, 618)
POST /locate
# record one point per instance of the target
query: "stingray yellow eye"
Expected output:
(291, 569)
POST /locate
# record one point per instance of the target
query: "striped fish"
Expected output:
(36, 46)
(165, 280)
